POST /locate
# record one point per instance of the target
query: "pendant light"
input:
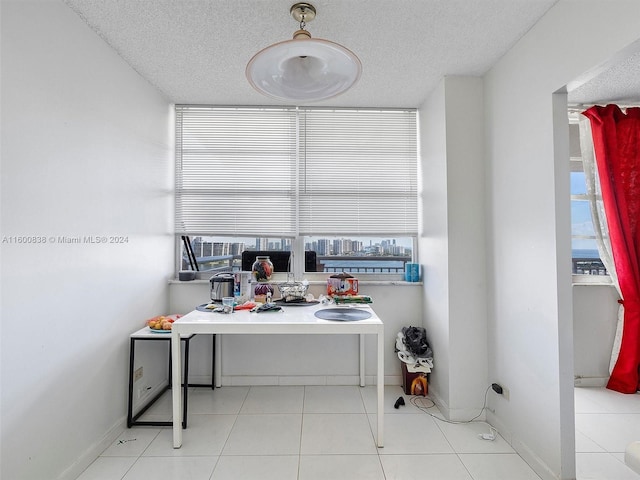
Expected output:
(303, 69)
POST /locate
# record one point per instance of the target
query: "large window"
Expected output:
(292, 179)
(584, 249)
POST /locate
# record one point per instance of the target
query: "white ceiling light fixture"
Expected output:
(304, 69)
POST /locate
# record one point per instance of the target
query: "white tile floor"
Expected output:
(309, 433)
(606, 422)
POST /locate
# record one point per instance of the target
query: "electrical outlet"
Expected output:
(500, 390)
(137, 375)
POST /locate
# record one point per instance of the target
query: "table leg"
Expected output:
(176, 389)
(362, 360)
(132, 350)
(185, 383)
(213, 362)
(218, 355)
(380, 384)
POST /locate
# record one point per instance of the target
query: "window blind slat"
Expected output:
(295, 171)
(359, 174)
(234, 170)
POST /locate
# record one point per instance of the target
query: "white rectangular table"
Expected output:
(290, 320)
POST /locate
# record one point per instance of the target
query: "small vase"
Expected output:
(262, 269)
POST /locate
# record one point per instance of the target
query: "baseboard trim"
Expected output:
(94, 451)
(533, 460)
(295, 380)
(598, 382)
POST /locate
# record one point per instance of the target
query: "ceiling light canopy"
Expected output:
(303, 69)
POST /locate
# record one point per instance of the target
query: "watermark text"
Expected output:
(64, 239)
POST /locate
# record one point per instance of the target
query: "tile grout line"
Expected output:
(361, 391)
(304, 396)
(230, 430)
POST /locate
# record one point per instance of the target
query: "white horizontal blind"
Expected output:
(358, 172)
(235, 171)
(238, 171)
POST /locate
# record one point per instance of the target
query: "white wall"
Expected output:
(595, 316)
(85, 152)
(530, 333)
(433, 241)
(452, 243)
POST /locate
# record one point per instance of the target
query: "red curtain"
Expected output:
(616, 139)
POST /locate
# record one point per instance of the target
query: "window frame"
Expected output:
(299, 270)
(576, 165)
(297, 237)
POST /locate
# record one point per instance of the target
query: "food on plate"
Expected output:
(161, 322)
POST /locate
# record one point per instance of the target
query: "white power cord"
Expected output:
(419, 403)
(491, 436)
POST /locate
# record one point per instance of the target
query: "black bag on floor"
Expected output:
(415, 339)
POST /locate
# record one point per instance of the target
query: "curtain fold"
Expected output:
(599, 220)
(616, 141)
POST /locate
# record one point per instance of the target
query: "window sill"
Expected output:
(311, 282)
(195, 282)
(597, 280)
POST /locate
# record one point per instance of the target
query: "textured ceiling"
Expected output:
(195, 51)
(620, 84)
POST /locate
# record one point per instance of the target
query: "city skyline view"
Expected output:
(325, 246)
(348, 254)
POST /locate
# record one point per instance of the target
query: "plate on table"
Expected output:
(207, 307)
(155, 330)
(343, 314)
